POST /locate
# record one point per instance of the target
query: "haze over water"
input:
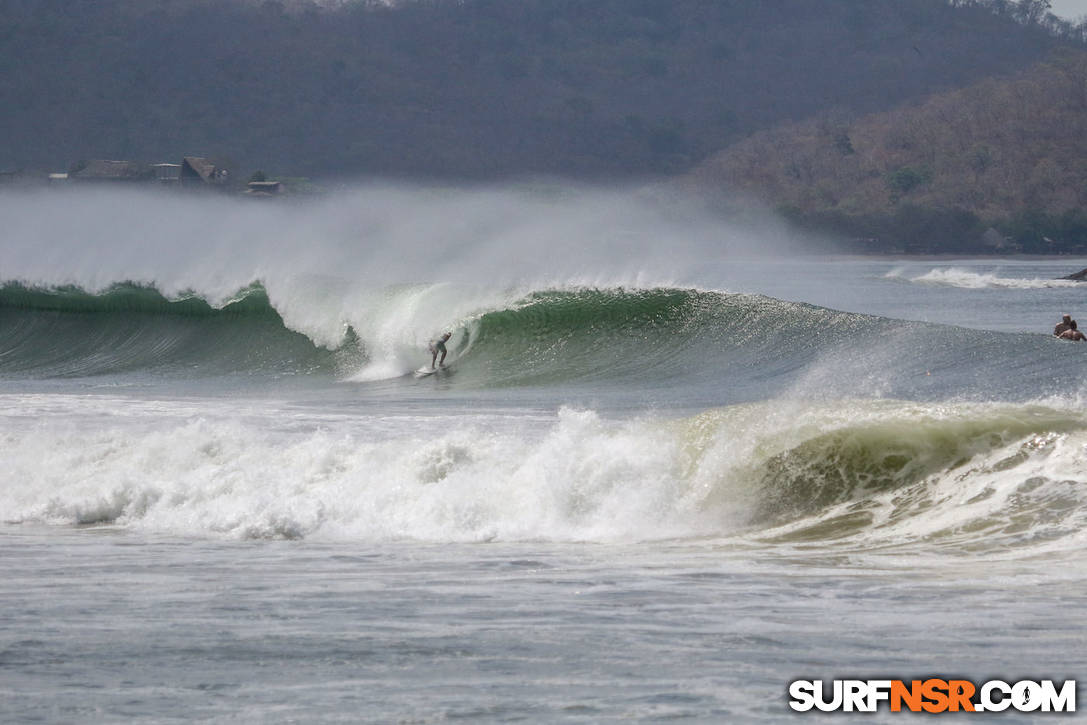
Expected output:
(673, 463)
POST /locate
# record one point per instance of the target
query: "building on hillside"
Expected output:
(198, 171)
(192, 172)
(264, 188)
(167, 173)
(107, 171)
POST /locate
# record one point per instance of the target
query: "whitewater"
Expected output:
(676, 460)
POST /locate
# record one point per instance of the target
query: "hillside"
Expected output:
(1005, 154)
(472, 88)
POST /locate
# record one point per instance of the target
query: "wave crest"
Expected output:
(969, 476)
(129, 327)
(965, 279)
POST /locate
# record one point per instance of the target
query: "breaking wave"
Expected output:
(541, 336)
(964, 476)
(965, 279)
(69, 332)
(659, 337)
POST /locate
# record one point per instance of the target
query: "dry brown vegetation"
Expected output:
(994, 151)
(472, 88)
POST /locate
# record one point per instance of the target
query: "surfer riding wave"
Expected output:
(438, 346)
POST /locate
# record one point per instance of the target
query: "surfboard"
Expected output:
(426, 371)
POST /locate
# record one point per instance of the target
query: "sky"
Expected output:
(1071, 9)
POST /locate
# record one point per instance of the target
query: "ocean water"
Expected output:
(674, 462)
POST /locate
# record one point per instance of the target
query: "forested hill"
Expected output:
(470, 88)
(998, 166)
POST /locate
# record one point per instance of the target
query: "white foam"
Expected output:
(574, 477)
(396, 325)
(965, 279)
(260, 470)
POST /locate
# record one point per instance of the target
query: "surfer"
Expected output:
(437, 346)
(1072, 333)
(1066, 324)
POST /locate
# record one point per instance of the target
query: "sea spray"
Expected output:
(885, 471)
(374, 235)
(969, 279)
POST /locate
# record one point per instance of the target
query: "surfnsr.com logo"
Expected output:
(932, 695)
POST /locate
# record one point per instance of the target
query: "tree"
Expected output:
(1031, 12)
(905, 179)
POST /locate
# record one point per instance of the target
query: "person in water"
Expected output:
(438, 346)
(1066, 324)
(1072, 334)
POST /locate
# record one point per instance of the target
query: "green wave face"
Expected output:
(884, 456)
(976, 475)
(132, 297)
(547, 337)
(657, 335)
(647, 339)
(68, 332)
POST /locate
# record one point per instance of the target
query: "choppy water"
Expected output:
(660, 478)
